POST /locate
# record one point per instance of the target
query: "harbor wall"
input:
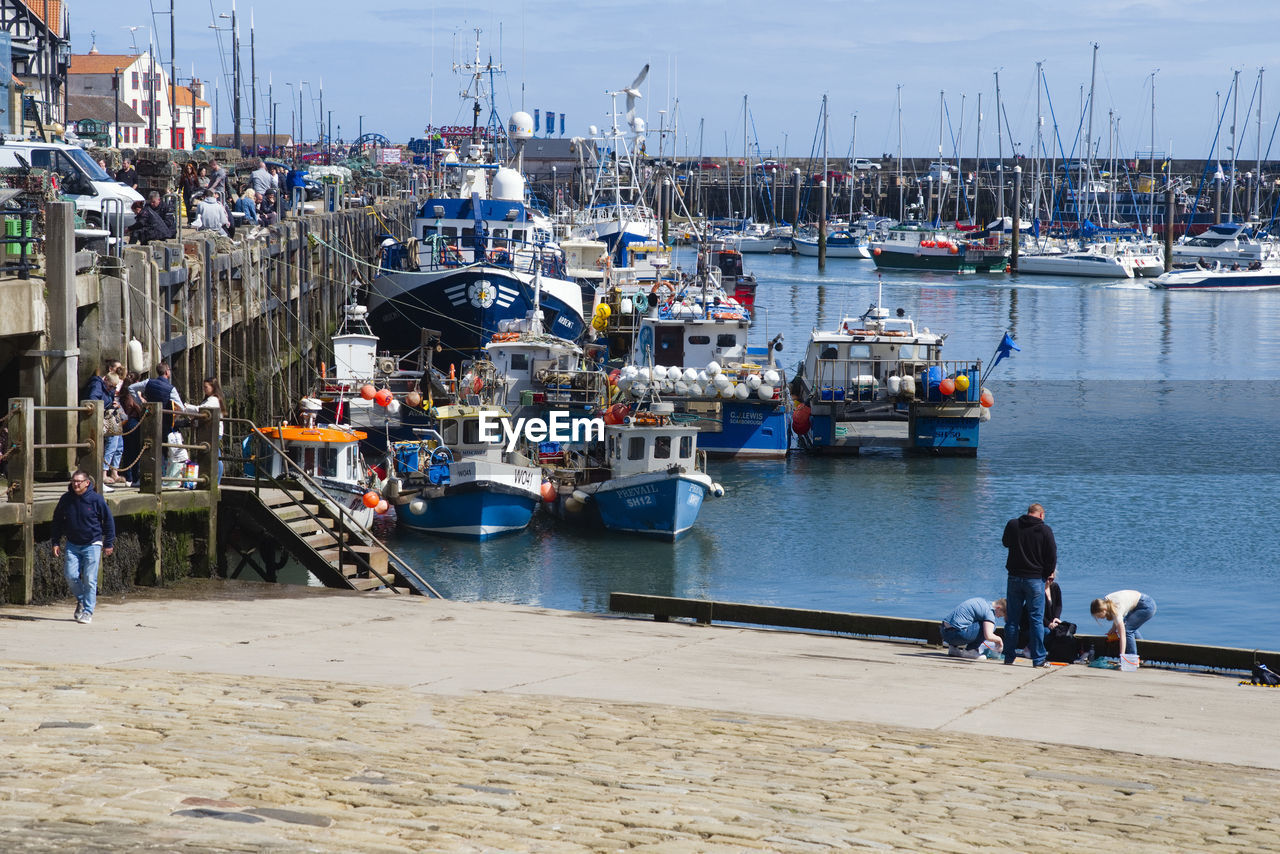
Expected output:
(257, 313)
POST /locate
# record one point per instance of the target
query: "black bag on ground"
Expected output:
(1263, 676)
(1061, 644)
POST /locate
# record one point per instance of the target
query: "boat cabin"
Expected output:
(680, 340)
(649, 443)
(867, 350)
(459, 426)
(326, 453)
(530, 364)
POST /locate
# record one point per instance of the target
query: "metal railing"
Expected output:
(317, 491)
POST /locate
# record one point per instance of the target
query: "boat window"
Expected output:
(449, 431)
(699, 339)
(662, 447)
(635, 451)
(686, 447)
(859, 351)
(451, 231)
(612, 447)
(907, 351)
(727, 340)
(471, 431)
(829, 353)
(519, 362)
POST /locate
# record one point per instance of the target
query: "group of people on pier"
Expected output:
(212, 201)
(1032, 607)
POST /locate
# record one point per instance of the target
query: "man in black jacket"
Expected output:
(83, 516)
(1033, 556)
(154, 222)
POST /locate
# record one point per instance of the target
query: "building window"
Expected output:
(146, 108)
(133, 81)
(199, 135)
(197, 121)
(134, 104)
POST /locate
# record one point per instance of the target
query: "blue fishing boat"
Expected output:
(647, 477)
(455, 482)
(877, 381)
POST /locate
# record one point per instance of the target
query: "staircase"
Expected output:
(336, 551)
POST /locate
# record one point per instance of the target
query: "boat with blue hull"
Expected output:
(647, 477)
(456, 483)
(879, 382)
(1258, 276)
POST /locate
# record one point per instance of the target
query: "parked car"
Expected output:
(862, 164)
(705, 164)
(834, 176)
(770, 166)
(940, 171)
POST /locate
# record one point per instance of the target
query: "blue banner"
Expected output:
(551, 122)
(562, 124)
(537, 120)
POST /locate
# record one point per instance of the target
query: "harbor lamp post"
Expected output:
(555, 206)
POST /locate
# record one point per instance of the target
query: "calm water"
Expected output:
(1143, 420)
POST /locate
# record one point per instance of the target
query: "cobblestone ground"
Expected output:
(124, 760)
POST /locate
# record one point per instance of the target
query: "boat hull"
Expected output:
(1219, 280)
(888, 259)
(809, 248)
(750, 429)
(465, 306)
(479, 510)
(1059, 265)
(663, 505)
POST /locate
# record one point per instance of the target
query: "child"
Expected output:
(175, 459)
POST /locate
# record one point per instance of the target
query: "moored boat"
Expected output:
(1257, 276)
(328, 454)
(917, 247)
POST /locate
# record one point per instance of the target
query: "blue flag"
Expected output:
(1004, 350)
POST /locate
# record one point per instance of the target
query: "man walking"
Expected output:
(1033, 556)
(83, 516)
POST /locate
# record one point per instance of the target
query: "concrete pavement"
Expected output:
(316, 720)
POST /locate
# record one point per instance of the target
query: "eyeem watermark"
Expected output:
(558, 428)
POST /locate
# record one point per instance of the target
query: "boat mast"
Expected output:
(1235, 113)
(901, 210)
(999, 158)
(748, 203)
(853, 148)
(1112, 124)
(1151, 196)
(937, 219)
(977, 164)
(1087, 165)
(1035, 196)
(956, 146)
(1257, 167)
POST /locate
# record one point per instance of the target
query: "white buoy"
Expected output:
(659, 372)
(765, 392)
(703, 378)
(908, 385)
(393, 407)
(754, 381)
(742, 391)
(721, 381)
(624, 383)
(572, 505)
(895, 384)
(626, 305)
(417, 507)
(690, 375)
(713, 368)
(638, 388)
(682, 387)
(630, 371)
(579, 495)
(726, 391)
(772, 378)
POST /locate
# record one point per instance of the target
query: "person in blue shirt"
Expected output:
(247, 205)
(972, 622)
(82, 515)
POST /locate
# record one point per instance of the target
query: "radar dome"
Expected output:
(508, 185)
(520, 125)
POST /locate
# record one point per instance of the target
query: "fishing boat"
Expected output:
(459, 482)
(329, 454)
(474, 251)
(922, 247)
(647, 477)
(877, 381)
(1256, 276)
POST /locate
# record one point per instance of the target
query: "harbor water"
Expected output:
(1143, 420)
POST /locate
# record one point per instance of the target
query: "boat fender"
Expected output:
(579, 495)
(417, 507)
(717, 491)
(572, 505)
(895, 384)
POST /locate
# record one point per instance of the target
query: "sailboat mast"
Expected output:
(748, 203)
(1257, 167)
(1085, 166)
(1151, 203)
(956, 146)
(853, 172)
(999, 158)
(977, 163)
(1035, 196)
(1235, 113)
(938, 215)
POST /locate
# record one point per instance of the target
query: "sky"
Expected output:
(386, 66)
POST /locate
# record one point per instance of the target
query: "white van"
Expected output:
(80, 178)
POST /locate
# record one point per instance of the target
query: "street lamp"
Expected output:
(555, 207)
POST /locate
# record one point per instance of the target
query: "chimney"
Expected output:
(197, 88)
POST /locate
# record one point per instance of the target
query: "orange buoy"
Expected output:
(947, 386)
(370, 499)
(987, 399)
(367, 391)
(876, 251)
(382, 397)
(548, 491)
